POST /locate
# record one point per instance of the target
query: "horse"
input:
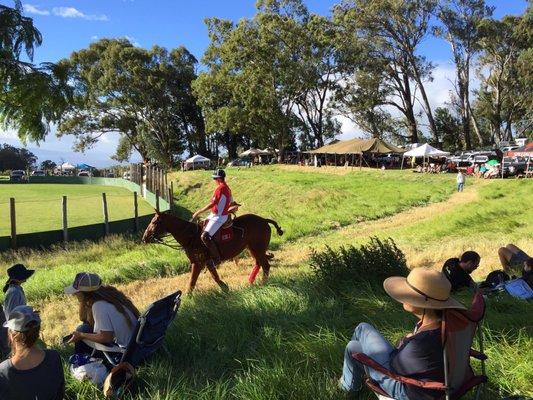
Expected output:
(250, 232)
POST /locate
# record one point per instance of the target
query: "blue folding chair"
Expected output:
(148, 335)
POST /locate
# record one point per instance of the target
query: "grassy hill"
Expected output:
(38, 206)
(285, 340)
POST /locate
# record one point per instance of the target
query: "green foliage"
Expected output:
(30, 96)
(145, 95)
(368, 263)
(15, 158)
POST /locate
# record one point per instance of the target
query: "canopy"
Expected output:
(493, 163)
(67, 166)
(426, 151)
(358, 146)
(253, 152)
(84, 166)
(524, 151)
(197, 158)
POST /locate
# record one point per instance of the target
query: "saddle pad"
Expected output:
(226, 235)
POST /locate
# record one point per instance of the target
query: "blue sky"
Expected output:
(68, 25)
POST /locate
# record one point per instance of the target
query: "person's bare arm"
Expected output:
(102, 337)
(202, 210)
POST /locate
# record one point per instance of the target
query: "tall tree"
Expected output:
(461, 21)
(501, 96)
(12, 157)
(30, 96)
(392, 32)
(145, 95)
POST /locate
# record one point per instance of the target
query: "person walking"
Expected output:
(460, 181)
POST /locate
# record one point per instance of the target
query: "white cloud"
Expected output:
(31, 9)
(94, 37)
(132, 40)
(71, 12)
(9, 134)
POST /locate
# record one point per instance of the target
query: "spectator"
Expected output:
(31, 373)
(14, 297)
(108, 316)
(460, 181)
(512, 256)
(458, 270)
(424, 293)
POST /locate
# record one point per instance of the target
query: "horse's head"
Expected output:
(156, 229)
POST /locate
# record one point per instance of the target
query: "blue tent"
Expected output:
(84, 166)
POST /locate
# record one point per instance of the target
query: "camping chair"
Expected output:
(459, 328)
(147, 336)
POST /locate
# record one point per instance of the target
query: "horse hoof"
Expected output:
(223, 287)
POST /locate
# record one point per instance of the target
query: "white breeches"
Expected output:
(214, 224)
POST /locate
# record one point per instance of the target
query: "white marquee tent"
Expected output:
(197, 161)
(425, 151)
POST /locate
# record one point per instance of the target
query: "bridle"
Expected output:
(160, 239)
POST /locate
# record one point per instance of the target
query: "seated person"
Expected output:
(31, 373)
(108, 316)
(424, 293)
(511, 257)
(458, 270)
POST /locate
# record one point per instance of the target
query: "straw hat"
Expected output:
(423, 288)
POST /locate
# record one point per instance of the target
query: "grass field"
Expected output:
(38, 206)
(285, 340)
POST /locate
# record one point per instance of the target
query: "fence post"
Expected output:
(136, 211)
(106, 215)
(172, 192)
(65, 223)
(157, 200)
(13, 223)
(170, 199)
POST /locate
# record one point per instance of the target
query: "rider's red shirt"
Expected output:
(222, 192)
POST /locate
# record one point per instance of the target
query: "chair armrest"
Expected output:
(369, 362)
(103, 347)
(478, 355)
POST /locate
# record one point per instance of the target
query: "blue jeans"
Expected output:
(366, 339)
(460, 187)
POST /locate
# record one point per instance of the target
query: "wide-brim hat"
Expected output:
(19, 272)
(423, 288)
(84, 282)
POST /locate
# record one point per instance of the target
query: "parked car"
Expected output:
(126, 176)
(17, 175)
(84, 173)
(111, 175)
(236, 163)
(38, 173)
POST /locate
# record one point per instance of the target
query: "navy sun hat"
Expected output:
(19, 272)
(219, 174)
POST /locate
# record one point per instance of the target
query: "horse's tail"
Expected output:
(278, 229)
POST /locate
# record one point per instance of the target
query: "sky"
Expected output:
(69, 25)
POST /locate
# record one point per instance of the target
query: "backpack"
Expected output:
(494, 279)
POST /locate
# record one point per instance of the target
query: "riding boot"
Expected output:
(212, 248)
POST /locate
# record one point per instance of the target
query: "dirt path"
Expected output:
(289, 257)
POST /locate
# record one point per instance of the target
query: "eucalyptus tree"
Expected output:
(461, 21)
(390, 33)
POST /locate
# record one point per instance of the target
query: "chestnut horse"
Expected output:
(250, 232)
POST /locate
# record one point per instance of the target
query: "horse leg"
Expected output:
(220, 282)
(261, 260)
(195, 271)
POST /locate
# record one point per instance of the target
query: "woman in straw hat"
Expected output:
(424, 293)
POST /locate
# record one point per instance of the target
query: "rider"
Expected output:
(219, 206)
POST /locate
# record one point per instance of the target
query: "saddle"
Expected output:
(225, 233)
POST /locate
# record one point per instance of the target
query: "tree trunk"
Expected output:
(409, 110)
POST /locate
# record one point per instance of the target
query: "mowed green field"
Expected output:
(38, 206)
(285, 340)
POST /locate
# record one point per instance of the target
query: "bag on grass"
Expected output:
(83, 368)
(519, 288)
(118, 380)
